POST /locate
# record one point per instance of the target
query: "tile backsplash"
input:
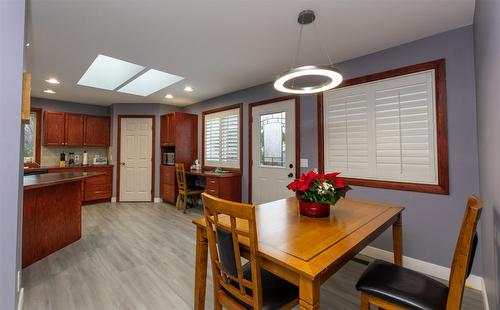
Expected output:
(50, 155)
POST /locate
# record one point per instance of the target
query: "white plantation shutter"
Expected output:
(222, 145)
(383, 130)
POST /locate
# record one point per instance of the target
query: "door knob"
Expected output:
(290, 175)
(123, 164)
(291, 166)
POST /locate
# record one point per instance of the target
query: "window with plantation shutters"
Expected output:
(222, 138)
(383, 130)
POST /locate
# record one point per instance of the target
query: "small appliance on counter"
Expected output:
(168, 158)
(71, 159)
(100, 160)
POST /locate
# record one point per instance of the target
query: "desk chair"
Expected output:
(238, 286)
(393, 287)
(183, 190)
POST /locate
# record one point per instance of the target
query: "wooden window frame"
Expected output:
(441, 129)
(38, 139)
(240, 136)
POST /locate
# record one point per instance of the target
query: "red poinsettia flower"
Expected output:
(339, 183)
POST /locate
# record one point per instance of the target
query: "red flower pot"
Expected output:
(313, 209)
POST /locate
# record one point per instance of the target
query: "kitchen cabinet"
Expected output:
(94, 188)
(55, 127)
(97, 131)
(73, 129)
(178, 135)
(167, 134)
(70, 129)
(100, 187)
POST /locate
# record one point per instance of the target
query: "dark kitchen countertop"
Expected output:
(49, 179)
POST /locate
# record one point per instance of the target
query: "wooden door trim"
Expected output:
(118, 151)
(297, 135)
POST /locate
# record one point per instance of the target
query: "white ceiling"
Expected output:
(218, 46)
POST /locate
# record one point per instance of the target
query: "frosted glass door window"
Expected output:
(272, 139)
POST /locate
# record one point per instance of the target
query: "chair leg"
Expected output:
(185, 204)
(178, 201)
(365, 302)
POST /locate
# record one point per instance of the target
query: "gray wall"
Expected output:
(430, 222)
(70, 107)
(487, 52)
(11, 68)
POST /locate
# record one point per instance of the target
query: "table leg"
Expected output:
(397, 239)
(200, 277)
(309, 294)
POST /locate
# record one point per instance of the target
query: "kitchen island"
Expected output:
(52, 216)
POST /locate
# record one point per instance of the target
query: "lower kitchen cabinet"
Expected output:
(94, 188)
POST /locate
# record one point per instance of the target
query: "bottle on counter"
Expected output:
(62, 160)
(85, 158)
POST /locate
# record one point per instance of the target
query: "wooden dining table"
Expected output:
(308, 251)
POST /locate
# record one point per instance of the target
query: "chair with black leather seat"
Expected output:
(237, 285)
(394, 287)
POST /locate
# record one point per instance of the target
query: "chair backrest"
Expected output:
(464, 253)
(228, 224)
(180, 174)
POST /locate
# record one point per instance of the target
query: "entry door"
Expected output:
(273, 150)
(136, 159)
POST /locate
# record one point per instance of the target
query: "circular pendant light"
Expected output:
(307, 79)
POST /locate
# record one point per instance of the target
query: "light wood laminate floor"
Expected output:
(141, 256)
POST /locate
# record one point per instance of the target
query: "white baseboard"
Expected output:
(157, 200)
(473, 281)
(113, 199)
(20, 302)
(485, 296)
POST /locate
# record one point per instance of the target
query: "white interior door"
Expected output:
(136, 159)
(273, 150)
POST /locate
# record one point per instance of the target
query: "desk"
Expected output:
(225, 185)
(307, 251)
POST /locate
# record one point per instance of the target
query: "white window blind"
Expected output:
(222, 139)
(383, 130)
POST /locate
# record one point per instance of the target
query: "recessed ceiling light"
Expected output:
(169, 96)
(49, 91)
(108, 73)
(150, 82)
(52, 81)
(188, 88)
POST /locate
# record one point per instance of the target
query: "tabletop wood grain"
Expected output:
(307, 251)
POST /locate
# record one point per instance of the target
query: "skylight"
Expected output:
(150, 82)
(109, 73)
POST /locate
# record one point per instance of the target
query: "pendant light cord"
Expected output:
(294, 62)
(321, 45)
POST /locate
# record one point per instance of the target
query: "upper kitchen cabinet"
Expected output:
(71, 129)
(74, 129)
(97, 131)
(167, 135)
(55, 123)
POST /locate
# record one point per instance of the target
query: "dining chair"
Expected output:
(389, 286)
(184, 192)
(237, 285)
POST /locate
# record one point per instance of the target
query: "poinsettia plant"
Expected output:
(319, 188)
